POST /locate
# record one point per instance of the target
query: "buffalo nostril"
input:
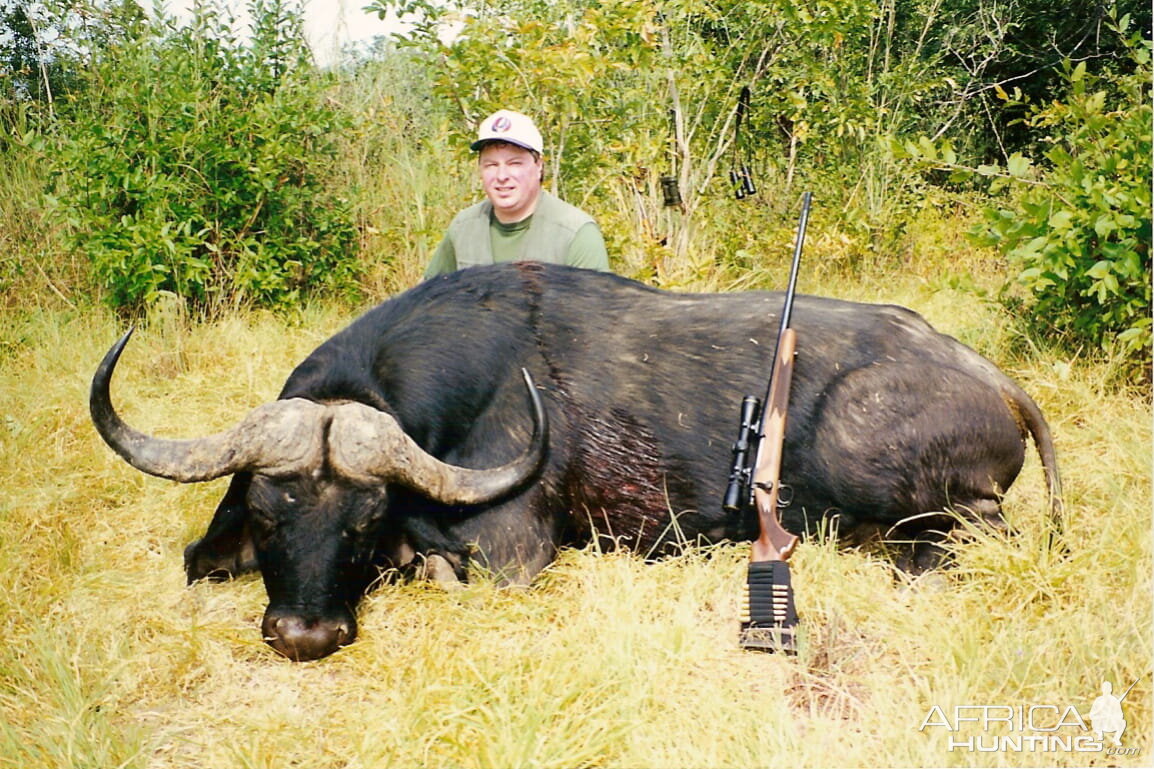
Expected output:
(303, 639)
(274, 630)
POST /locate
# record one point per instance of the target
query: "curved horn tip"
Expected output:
(98, 396)
(113, 354)
(540, 418)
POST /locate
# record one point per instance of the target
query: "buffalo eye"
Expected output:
(365, 524)
(264, 500)
(263, 522)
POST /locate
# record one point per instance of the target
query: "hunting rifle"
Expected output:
(769, 619)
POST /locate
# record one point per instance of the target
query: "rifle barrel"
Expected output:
(797, 244)
(787, 310)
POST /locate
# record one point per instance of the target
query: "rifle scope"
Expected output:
(738, 494)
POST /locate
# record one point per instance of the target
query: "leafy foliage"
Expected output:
(986, 46)
(630, 93)
(831, 85)
(575, 66)
(200, 168)
(1080, 232)
(45, 44)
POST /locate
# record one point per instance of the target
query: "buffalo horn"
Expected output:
(277, 438)
(288, 436)
(369, 444)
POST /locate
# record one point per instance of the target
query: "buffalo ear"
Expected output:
(226, 549)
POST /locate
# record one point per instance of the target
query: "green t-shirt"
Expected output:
(507, 242)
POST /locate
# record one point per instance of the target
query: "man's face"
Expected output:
(511, 176)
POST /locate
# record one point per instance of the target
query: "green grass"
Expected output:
(605, 661)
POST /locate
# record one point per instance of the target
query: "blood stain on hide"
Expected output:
(619, 475)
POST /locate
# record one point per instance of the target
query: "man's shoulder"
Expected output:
(479, 210)
(561, 212)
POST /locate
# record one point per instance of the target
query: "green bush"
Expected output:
(200, 169)
(1079, 232)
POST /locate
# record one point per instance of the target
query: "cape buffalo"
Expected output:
(409, 435)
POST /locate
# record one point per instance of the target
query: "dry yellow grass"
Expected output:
(606, 661)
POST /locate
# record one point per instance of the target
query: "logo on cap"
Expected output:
(506, 126)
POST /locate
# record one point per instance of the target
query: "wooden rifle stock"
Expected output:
(774, 543)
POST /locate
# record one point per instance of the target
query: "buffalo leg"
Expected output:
(511, 541)
(226, 550)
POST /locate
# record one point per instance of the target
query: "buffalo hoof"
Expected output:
(438, 570)
(201, 561)
(302, 640)
(922, 557)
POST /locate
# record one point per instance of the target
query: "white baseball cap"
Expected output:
(508, 126)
